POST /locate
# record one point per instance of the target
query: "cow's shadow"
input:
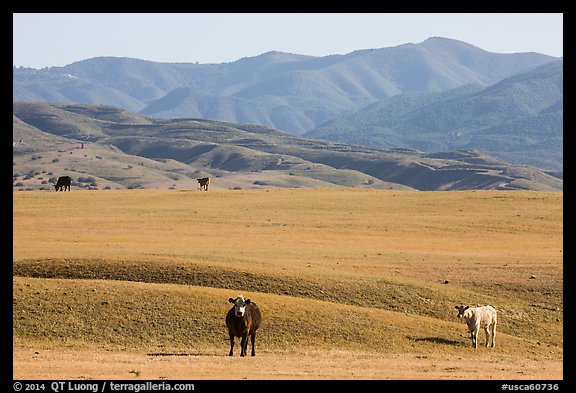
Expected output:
(181, 354)
(436, 340)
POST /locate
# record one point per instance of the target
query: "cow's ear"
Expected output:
(456, 307)
(247, 301)
(466, 308)
(231, 300)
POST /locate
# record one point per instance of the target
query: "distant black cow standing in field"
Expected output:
(243, 320)
(204, 183)
(63, 183)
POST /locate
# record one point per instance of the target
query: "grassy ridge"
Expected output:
(365, 292)
(337, 268)
(163, 318)
(408, 297)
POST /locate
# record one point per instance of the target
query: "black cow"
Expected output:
(63, 183)
(204, 182)
(243, 320)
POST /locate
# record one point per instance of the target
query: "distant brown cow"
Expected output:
(242, 320)
(204, 183)
(63, 183)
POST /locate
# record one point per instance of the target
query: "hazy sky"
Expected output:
(43, 40)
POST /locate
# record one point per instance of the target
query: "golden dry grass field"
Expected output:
(352, 284)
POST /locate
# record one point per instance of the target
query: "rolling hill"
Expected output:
(147, 274)
(104, 146)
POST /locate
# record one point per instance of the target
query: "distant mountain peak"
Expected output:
(278, 55)
(437, 38)
(446, 42)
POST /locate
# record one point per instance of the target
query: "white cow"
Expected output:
(479, 317)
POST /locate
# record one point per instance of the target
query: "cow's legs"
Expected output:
(244, 344)
(231, 345)
(487, 331)
(253, 339)
(494, 334)
(475, 338)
